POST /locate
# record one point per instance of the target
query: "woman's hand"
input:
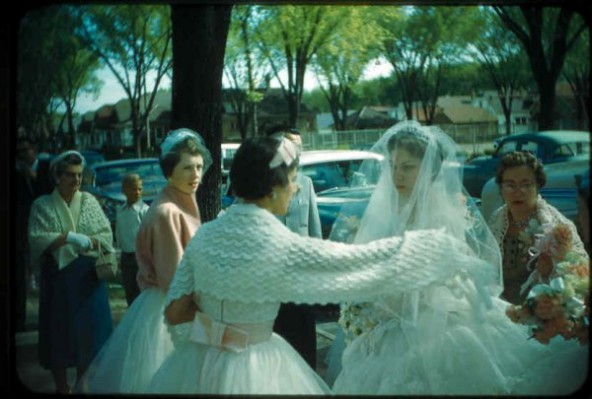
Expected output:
(181, 310)
(81, 240)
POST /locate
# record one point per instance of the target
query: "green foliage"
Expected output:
(547, 34)
(132, 41)
(421, 43)
(341, 63)
(54, 68)
(289, 37)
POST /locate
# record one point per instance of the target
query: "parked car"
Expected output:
(106, 177)
(339, 168)
(329, 169)
(559, 191)
(90, 158)
(549, 146)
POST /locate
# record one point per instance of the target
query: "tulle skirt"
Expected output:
(135, 350)
(454, 353)
(269, 367)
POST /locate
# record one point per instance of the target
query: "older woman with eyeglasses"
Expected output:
(519, 177)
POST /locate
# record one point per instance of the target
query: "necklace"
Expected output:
(521, 224)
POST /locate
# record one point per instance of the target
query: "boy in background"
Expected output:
(129, 217)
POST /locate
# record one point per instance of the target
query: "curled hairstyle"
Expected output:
(250, 175)
(521, 158)
(191, 147)
(415, 143)
(58, 166)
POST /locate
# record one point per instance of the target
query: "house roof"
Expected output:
(463, 113)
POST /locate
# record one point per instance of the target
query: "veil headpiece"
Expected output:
(438, 198)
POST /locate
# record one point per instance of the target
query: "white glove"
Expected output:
(81, 240)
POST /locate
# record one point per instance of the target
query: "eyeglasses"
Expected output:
(510, 187)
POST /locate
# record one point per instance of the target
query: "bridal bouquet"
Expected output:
(558, 302)
(356, 319)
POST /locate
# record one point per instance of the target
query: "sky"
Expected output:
(112, 91)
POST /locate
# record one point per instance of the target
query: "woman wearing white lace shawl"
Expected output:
(65, 229)
(432, 341)
(241, 266)
(141, 340)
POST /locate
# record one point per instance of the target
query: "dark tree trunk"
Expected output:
(545, 71)
(199, 40)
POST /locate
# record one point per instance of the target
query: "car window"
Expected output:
(523, 145)
(91, 158)
(325, 175)
(563, 151)
(328, 175)
(580, 147)
(366, 173)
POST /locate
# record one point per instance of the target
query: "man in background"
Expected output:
(296, 323)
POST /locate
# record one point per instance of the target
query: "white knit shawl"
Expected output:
(247, 255)
(50, 217)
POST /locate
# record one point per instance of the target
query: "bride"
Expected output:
(436, 341)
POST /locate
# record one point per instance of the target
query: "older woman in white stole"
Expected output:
(435, 341)
(241, 266)
(141, 340)
(66, 228)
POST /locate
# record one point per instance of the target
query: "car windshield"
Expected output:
(115, 173)
(328, 175)
(518, 145)
(92, 158)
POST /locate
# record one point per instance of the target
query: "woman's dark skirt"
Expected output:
(74, 313)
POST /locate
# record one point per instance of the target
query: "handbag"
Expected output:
(106, 264)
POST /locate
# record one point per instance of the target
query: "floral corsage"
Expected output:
(558, 300)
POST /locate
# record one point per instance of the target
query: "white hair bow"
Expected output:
(286, 153)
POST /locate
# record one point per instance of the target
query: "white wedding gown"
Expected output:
(135, 350)
(268, 366)
(445, 348)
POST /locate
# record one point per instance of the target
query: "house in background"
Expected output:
(466, 120)
(470, 118)
(110, 126)
(373, 117)
(522, 119)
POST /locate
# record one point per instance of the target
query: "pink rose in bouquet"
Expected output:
(558, 301)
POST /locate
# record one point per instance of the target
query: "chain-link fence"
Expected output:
(472, 138)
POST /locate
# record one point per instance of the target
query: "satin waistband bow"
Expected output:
(208, 331)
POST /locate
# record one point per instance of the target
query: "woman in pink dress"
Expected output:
(141, 341)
